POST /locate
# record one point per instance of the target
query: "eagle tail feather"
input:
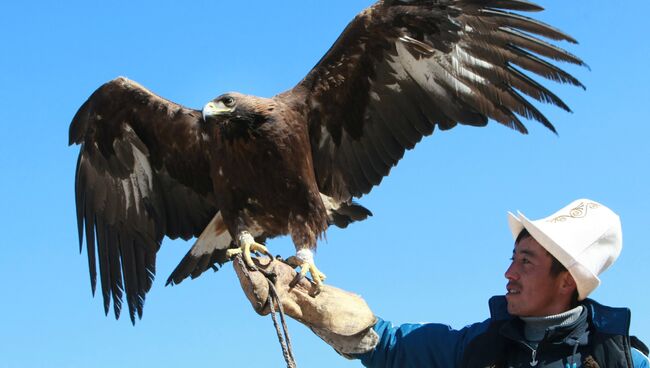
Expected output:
(208, 252)
(348, 213)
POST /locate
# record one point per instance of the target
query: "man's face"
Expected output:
(532, 289)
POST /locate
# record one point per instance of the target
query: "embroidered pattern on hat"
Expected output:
(579, 211)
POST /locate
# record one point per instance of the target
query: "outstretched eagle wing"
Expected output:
(142, 173)
(402, 67)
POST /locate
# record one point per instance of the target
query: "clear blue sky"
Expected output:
(436, 248)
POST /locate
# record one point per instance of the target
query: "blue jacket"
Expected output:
(480, 344)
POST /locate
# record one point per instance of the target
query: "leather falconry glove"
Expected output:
(342, 319)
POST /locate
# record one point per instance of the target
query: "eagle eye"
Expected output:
(228, 101)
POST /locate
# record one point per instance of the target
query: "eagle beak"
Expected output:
(212, 109)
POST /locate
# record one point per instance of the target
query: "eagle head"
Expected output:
(237, 115)
(222, 107)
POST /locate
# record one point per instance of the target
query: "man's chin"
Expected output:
(512, 305)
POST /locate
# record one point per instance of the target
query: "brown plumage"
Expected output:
(280, 198)
(150, 168)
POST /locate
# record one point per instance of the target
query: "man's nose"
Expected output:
(511, 273)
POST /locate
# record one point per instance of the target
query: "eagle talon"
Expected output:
(306, 266)
(295, 281)
(248, 245)
(231, 253)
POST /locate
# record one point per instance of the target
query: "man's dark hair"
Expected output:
(556, 267)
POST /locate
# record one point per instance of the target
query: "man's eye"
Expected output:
(525, 261)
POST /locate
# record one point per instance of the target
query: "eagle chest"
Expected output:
(265, 177)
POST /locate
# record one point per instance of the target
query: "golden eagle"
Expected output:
(248, 168)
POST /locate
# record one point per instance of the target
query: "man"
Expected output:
(544, 320)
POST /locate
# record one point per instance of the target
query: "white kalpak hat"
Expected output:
(584, 236)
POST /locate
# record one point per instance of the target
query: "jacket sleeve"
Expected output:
(420, 345)
(640, 360)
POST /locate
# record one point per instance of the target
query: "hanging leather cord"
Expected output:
(287, 350)
(273, 299)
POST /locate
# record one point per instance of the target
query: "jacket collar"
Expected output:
(609, 320)
(602, 318)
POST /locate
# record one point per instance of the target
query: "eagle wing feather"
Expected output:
(401, 68)
(142, 173)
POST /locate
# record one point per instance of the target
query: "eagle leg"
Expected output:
(247, 244)
(304, 259)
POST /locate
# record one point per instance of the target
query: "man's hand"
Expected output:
(342, 319)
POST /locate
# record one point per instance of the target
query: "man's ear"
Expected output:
(567, 283)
